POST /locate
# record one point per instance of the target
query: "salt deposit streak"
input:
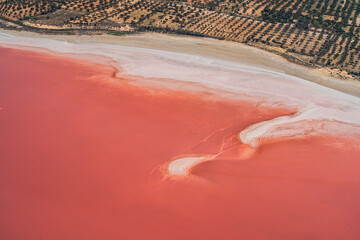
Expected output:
(181, 166)
(264, 129)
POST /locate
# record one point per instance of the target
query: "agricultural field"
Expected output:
(312, 32)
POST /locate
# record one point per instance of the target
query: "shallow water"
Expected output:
(84, 155)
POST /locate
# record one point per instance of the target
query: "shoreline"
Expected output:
(208, 47)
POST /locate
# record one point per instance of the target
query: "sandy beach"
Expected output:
(213, 48)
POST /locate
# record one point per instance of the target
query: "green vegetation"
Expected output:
(302, 21)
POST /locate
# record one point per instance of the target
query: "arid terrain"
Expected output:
(323, 34)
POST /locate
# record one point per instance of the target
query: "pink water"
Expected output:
(83, 159)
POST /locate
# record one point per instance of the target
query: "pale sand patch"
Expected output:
(213, 48)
